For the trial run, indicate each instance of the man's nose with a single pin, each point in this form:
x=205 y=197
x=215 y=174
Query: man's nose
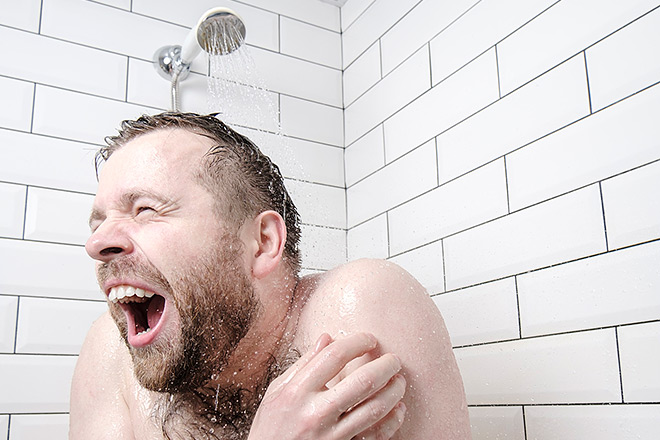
x=109 y=241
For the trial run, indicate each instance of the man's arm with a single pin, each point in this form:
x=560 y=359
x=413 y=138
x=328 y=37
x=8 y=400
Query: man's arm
x=380 y=298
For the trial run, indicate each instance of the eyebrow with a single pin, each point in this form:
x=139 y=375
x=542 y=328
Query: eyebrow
x=128 y=199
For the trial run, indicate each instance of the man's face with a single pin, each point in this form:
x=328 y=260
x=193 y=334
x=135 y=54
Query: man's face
x=173 y=272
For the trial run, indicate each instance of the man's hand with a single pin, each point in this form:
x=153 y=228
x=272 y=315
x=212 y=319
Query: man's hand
x=365 y=405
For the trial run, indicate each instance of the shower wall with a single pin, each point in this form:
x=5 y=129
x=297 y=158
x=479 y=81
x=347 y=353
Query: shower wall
x=71 y=70
x=506 y=152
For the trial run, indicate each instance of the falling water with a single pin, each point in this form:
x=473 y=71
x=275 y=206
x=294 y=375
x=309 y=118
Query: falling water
x=236 y=90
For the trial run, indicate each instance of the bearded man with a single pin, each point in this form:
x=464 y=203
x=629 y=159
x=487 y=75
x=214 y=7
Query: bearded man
x=212 y=334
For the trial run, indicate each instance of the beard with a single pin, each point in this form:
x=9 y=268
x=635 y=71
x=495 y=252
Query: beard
x=216 y=306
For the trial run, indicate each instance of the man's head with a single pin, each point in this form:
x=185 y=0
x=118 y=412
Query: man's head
x=186 y=212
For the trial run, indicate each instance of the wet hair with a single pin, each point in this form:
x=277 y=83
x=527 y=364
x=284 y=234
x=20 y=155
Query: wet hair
x=243 y=180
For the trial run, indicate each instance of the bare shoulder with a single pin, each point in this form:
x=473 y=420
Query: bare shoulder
x=103 y=390
x=380 y=297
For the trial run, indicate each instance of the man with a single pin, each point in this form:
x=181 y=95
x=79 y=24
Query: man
x=196 y=240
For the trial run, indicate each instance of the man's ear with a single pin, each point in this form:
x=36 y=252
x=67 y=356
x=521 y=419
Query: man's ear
x=269 y=233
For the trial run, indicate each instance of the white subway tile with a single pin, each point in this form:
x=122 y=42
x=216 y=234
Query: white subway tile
x=33 y=426
x=625 y=62
x=484 y=313
x=53 y=163
x=96 y=117
x=63 y=271
x=20 y=94
x=309 y=42
x=368 y=240
x=559 y=230
x=4 y=425
x=572 y=368
x=459 y=43
x=464 y=93
x=57 y=216
x=55 y=326
x=602 y=422
x=12 y=200
x=371 y=25
x=565 y=29
x=312 y=121
x=470 y=200
x=319 y=205
x=609 y=289
x=493 y=423
x=300 y=159
x=108 y=28
x=299 y=78
x=85 y=69
x=639 y=348
x=24 y=15
x=393 y=92
x=261 y=26
x=587 y=151
x=317 y=13
x=421 y=24
x=154 y=91
x=322 y=248
x=426 y=265
x=352 y=10
x=123 y=4
x=552 y=101
x=365 y=156
x=362 y=74
x=23 y=377
x=632 y=208
x=8 y=309
x=398 y=182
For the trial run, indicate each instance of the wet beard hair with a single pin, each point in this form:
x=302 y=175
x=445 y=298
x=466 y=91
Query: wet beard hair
x=216 y=304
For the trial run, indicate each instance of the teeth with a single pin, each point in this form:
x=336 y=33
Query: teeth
x=126 y=294
x=145 y=331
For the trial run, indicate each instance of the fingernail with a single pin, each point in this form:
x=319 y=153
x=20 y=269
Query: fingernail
x=322 y=342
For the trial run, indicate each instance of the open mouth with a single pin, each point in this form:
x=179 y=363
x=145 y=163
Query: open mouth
x=143 y=310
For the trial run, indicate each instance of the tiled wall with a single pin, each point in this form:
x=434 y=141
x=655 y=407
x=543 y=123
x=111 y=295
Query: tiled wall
x=70 y=71
x=507 y=153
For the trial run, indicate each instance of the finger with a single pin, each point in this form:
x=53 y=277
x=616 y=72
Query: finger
x=323 y=341
x=387 y=426
x=333 y=358
x=364 y=382
x=375 y=409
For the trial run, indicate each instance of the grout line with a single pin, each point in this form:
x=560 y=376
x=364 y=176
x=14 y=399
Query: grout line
x=8 y=426
x=524 y=417
x=444 y=267
x=506 y=186
x=549 y=335
x=18 y=308
x=602 y=206
x=101 y=298
x=586 y=70
x=34 y=104
x=497 y=65
x=128 y=64
x=515 y=283
x=387 y=231
x=618 y=360
x=437 y=163
x=552 y=404
x=27 y=190
x=41 y=16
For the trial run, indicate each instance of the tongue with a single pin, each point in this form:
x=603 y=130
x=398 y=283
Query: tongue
x=155 y=310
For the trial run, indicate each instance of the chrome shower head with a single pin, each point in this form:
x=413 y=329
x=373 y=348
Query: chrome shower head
x=219 y=31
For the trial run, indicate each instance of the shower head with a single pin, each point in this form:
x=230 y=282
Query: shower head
x=219 y=31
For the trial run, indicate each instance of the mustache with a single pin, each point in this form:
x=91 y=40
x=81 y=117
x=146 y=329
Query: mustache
x=130 y=267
